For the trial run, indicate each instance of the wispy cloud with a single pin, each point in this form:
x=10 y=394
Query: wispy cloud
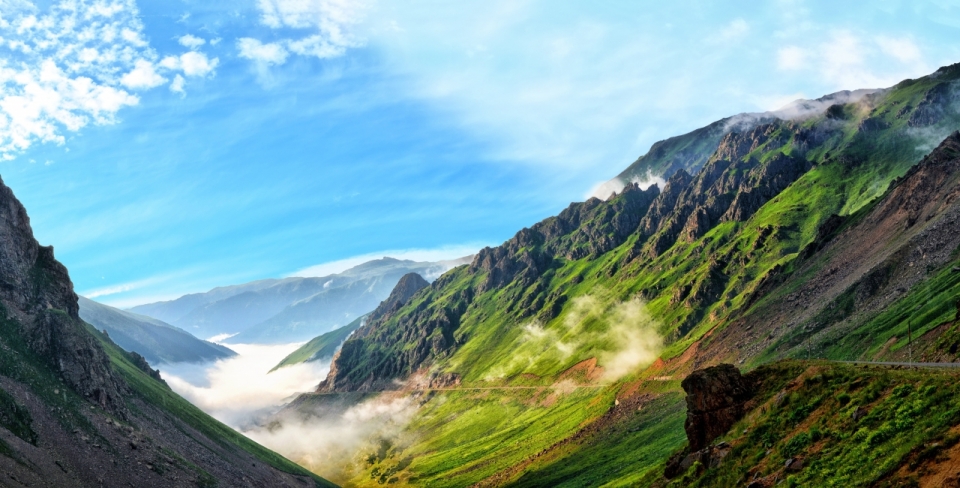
x=848 y=60
x=321 y=29
x=71 y=65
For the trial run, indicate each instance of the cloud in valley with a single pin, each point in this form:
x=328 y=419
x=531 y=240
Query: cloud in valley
x=329 y=444
x=237 y=390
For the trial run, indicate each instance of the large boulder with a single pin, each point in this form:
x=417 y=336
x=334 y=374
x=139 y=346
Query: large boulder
x=715 y=401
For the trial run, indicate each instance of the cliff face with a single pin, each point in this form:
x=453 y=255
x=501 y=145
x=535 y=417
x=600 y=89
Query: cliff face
x=36 y=292
x=76 y=410
x=747 y=197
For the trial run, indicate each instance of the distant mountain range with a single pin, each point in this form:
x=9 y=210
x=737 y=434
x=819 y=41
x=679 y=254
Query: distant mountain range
x=290 y=309
x=325 y=346
x=155 y=340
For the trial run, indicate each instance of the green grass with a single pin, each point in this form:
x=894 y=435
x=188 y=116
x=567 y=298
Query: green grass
x=619 y=457
x=158 y=394
x=908 y=415
x=321 y=347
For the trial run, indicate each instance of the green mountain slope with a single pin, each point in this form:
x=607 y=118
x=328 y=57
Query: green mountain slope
x=155 y=340
x=622 y=297
x=322 y=347
x=829 y=424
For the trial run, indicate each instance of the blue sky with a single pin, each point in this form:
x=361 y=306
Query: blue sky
x=166 y=147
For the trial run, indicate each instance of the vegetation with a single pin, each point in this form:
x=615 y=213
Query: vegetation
x=322 y=347
x=157 y=393
x=851 y=426
x=527 y=315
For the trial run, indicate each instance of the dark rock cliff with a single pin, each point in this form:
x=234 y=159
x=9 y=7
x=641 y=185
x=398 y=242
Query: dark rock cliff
x=716 y=399
x=408 y=286
x=36 y=292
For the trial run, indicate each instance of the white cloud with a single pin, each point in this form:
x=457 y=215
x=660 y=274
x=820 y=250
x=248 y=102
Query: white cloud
x=791 y=58
x=328 y=25
x=847 y=60
x=191 y=63
x=142 y=76
x=176 y=85
x=191 y=41
x=270 y=53
x=71 y=64
x=903 y=49
x=67 y=67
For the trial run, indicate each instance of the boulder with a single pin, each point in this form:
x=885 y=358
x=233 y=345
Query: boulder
x=715 y=401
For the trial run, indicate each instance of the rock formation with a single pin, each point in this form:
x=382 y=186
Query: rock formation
x=715 y=401
x=36 y=293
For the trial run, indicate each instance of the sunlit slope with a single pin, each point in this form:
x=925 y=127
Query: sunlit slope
x=694 y=252
x=322 y=347
x=670 y=273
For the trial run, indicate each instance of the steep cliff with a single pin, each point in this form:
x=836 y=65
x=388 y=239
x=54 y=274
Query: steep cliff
x=76 y=410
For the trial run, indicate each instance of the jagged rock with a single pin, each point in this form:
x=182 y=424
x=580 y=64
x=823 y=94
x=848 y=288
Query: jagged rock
x=37 y=294
x=140 y=362
x=408 y=286
x=736 y=145
x=930 y=110
x=715 y=401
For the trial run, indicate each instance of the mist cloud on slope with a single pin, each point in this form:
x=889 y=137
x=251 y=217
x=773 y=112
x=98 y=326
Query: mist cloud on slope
x=331 y=443
x=604 y=189
x=623 y=335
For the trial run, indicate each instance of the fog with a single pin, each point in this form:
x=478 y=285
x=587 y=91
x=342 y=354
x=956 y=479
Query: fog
x=623 y=336
x=239 y=389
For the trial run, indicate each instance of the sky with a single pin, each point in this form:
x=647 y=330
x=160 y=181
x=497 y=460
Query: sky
x=168 y=147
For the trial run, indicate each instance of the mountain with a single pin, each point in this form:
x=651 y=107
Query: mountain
x=292 y=309
x=323 y=347
x=76 y=410
x=157 y=341
x=826 y=230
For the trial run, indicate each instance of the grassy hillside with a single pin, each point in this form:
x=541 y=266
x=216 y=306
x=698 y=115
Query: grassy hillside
x=849 y=425
x=155 y=393
x=322 y=347
x=652 y=284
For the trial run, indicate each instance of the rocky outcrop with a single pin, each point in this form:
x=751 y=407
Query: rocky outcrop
x=408 y=286
x=716 y=399
x=37 y=294
x=391 y=346
x=931 y=109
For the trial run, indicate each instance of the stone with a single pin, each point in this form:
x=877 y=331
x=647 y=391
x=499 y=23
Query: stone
x=715 y=401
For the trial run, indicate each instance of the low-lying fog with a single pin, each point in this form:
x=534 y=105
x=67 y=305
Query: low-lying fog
x=237 y=390
x=241 y=393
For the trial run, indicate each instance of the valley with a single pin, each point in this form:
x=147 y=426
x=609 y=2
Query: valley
x=772 y=299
